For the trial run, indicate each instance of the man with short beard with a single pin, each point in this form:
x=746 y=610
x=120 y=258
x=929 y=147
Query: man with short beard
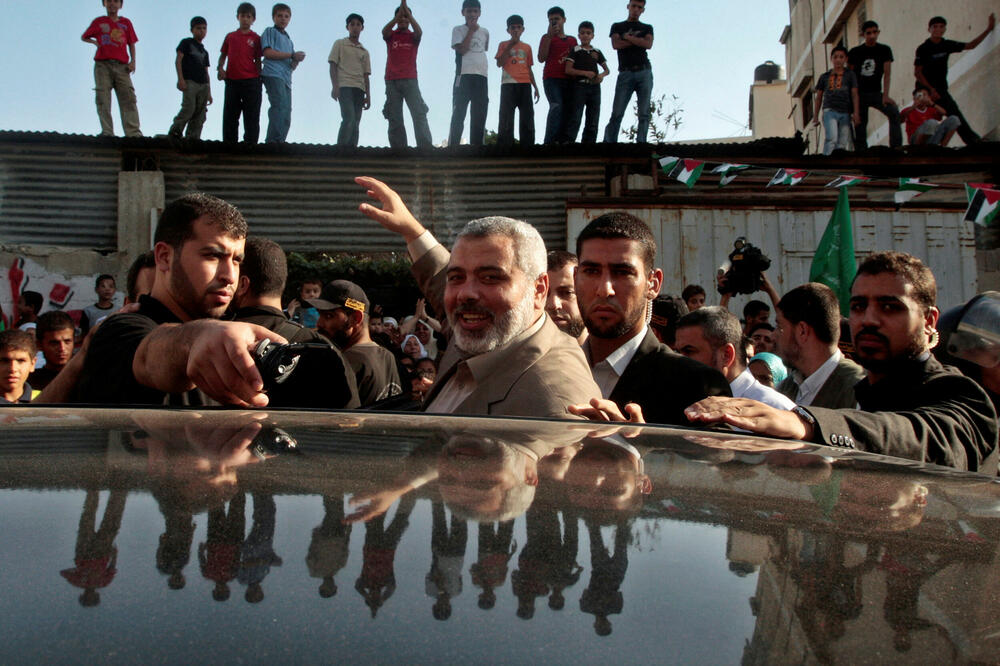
x=911 y=406
x=343 y=317
x=506 y=357
x=561 y=303
x=615 y=284
x=174 y=342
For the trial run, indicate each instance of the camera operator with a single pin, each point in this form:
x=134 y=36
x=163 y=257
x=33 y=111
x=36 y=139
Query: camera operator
x=744 y=273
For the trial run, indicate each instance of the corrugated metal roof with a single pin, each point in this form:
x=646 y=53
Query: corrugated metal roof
x=311 y=202
x=59 y=195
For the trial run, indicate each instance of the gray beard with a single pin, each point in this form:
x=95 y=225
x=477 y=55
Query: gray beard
x=505 y=328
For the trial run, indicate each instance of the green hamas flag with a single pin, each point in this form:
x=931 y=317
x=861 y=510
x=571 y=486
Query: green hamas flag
x=833 y=264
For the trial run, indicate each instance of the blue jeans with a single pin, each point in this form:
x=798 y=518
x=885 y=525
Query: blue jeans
x=837 y=130
x=470 y=90
x=559 y=94
x=279 y=116
x=516 y=96
x=398 y=91
x=585 y=96
x=352 y=101
x=641 y=83
x=935 y=129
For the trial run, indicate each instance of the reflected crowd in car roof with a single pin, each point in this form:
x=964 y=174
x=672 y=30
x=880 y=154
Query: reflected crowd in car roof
x=837 y=555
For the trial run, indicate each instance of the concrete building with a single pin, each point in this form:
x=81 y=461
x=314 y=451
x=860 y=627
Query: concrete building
x=816 y=26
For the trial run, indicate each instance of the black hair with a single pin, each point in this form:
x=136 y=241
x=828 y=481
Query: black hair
x=920 y=87
x=869 y=24
x=691 y=291
x=101 y=278
x=619 y=224
x=264 y=264
x=352 y=17
x=33 y=300
x=53 y=320
x=246 y=8
x=19 y=341
x=839 y=47
x=514 y=19
x=471 y=4
x=937 y=19
x=556 y=10
x=280 y=7
x=585 y=25
x=557 y=259
x=176 y=224
x=755 y=307
x=198 y=20
x=909 y=268
x=815 y=304
x=144 y=260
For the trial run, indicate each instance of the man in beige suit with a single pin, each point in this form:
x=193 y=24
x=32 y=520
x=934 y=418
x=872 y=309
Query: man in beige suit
x=506 y=357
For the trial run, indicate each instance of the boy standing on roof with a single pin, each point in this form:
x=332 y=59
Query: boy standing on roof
x=470 y=42
x=871 y=62
x=517 y=82
x=632 y=39
x=242 y=76
x=114 y=63
x=192 y=80
x=350 y=69
x=401 y=79
x=280 y=59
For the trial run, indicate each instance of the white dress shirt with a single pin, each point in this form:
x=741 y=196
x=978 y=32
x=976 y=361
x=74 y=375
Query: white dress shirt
x=609 y=371
x=810 y=386
x=746 y=386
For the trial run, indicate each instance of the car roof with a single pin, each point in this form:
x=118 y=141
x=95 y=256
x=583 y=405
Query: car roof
x=181 y=535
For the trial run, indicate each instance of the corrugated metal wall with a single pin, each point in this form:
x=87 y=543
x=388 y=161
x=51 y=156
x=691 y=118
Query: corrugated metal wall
x=692 y=243
x=311 y=202
x=59 y=195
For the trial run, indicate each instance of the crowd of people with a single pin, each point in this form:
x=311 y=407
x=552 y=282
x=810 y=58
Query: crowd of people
x=522 y=332
x=250 y=63
x=860 y=79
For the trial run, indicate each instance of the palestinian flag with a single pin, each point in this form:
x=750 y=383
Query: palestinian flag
x=728 y=172
x=984 y=204
x=847 y=181
x=788 y=177
x=909 y=188
x=668 y=164
x=687 y=171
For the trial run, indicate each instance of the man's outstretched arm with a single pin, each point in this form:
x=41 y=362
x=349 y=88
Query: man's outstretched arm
x=214 y=356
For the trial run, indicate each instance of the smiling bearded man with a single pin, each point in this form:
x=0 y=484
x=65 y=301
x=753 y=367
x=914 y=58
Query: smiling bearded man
x=507 y=357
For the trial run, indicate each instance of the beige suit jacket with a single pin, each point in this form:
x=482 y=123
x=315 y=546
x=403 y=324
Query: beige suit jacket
x=538 y=376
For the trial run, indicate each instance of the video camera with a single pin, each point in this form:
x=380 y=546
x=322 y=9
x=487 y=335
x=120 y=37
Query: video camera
x=743 y=271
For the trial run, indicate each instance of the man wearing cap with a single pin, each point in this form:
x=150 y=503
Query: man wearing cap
x=506 y=357
x=343 y=317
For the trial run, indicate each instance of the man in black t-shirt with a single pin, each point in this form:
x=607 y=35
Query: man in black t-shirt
x=175 y=343
x=192 y=64
x=632 y=40
x=343 y=317
x=931 y=68
x=872 y=64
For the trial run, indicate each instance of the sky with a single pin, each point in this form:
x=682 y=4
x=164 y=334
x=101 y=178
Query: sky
x=704 y=53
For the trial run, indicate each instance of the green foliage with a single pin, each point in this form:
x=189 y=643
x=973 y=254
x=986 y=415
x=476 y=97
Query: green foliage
x=385 y=277
x=665 y=118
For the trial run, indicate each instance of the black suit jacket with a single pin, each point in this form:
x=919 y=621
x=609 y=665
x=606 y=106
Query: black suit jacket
x=927 y=412
x=664 y=383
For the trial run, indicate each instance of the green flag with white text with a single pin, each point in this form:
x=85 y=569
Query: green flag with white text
x=834 y=264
